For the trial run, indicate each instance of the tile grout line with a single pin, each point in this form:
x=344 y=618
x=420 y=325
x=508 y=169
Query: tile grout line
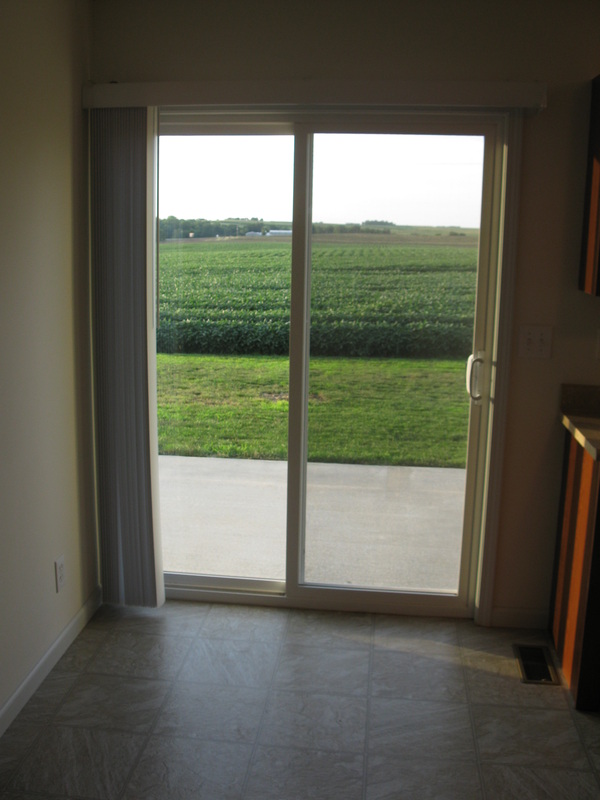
x=464 y=667
x=574 y=715
x=577 y=723
x=269 y=688
x=365 y=777
x=12 y=774
x=158 y=712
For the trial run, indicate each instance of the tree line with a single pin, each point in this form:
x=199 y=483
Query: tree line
x=174 y=228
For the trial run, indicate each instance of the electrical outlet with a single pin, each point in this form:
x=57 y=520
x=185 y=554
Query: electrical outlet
x=535 y=341
x=59 y=573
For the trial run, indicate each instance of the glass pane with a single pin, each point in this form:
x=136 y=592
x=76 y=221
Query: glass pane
x=394 y=269
x=224 y=305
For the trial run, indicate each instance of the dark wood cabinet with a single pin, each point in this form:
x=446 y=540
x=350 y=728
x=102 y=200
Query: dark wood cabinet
x=589 y=274
x=576 y=606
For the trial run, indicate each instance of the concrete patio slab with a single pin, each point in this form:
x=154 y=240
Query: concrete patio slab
x=369 y=526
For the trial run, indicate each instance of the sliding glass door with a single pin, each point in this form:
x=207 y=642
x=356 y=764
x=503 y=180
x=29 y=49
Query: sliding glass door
x=321 y=448
x=393 y=285
x=222 y=361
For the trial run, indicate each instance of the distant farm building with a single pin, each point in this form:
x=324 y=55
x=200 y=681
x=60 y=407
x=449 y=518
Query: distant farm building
x=279 y=233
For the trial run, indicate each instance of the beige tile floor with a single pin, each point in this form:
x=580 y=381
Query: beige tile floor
x=368 y=526
x=221 y=702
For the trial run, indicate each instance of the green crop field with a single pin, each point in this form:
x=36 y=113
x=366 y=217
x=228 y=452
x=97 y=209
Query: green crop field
x=371 y=296
x=391 y=327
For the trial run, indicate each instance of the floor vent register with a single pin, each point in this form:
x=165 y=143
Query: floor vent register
x=535 y=664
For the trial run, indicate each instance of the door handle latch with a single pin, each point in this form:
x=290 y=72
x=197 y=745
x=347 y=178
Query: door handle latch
x=472 y=378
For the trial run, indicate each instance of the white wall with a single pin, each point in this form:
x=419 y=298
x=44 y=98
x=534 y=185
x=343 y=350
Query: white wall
x=46 y=500
x=551 y=41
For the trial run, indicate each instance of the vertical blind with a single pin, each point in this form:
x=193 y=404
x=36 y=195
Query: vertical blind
x=118 y=154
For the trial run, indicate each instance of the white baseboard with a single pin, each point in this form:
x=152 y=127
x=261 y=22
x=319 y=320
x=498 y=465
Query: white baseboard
x=12 y=707
x=532 y=618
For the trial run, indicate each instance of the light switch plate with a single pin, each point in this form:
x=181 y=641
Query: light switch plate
x=535 y=341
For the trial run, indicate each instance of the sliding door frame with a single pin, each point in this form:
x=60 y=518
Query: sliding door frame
x=486 y=424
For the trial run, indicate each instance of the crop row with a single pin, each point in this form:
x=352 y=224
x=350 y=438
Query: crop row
x=378 y=300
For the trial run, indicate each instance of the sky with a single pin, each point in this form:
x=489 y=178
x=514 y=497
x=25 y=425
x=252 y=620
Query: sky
x=399 y=178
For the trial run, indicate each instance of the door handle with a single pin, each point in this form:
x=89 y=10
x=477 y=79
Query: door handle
x=474 y=358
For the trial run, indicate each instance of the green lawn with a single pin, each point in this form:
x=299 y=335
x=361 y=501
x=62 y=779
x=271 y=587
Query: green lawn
x=370 y=411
